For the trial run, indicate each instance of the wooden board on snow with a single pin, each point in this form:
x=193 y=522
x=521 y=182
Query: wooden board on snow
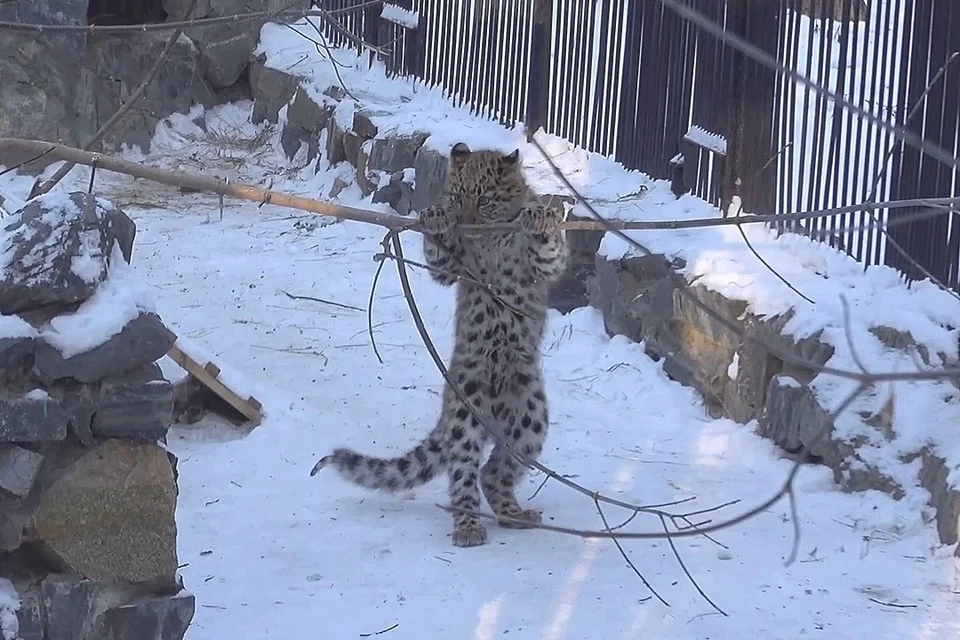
x=208 y=376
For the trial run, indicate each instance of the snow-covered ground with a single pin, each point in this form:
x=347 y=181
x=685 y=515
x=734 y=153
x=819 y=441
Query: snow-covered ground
x=273 y=553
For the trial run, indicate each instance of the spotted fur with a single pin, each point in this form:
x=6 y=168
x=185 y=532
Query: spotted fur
x=503 y=279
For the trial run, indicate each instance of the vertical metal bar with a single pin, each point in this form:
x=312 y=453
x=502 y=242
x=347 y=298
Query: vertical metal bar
x=913 y=71
x=793 y=198
x=600 y=98
x=588 y=111
x=935 y=176
x=626 y=125
x=870 y=69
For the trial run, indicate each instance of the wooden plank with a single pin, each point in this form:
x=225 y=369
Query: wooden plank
x=250 y=408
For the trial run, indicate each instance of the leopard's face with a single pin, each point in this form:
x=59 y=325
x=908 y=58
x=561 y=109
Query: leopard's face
x=485 y=186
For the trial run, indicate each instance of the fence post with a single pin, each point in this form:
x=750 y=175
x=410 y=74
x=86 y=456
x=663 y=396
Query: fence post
x=750 y=153
x=538 y=85
x=410 y=63
x=414 y=44
x=371 y=30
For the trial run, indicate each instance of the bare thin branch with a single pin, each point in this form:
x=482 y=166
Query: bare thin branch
x=322 y=300
x=683 y=566
x=626 y=557
x=41 y=188
x=746 y=241
x=699 y=223
x=385 y=244
x=394 y=221
x=238 y=18
x=757 y=54
x=474 y=412
x=883 y=170
x=784 y=354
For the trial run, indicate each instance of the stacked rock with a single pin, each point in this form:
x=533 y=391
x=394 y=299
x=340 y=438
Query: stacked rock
x=87 y=493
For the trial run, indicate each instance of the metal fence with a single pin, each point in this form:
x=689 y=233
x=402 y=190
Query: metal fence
x=629 y=78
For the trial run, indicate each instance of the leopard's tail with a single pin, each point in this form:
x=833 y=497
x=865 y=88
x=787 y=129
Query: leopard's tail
x=414 y=468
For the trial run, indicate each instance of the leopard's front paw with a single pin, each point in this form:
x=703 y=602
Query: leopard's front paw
x=541 y=219
x=437 y=220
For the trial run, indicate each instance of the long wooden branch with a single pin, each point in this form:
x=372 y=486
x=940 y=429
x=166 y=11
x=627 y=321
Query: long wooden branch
x=394 y=221
x=203 y=183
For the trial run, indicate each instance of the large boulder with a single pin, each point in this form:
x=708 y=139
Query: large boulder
x=68 y=607
x=143 y=340
x=17 y=342
x=572 y=289
x=306 y=118
x=150 y=619
x=119 y=62
x=18 y=469
x=271 y=90
x=225 y=49
x=395 y=153
x=223 y=62
x=57 y=250
x=109 y=515
x=398 y=192
x=431 y=171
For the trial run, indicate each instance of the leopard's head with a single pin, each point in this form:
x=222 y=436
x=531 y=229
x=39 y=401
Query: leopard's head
x=486 y=186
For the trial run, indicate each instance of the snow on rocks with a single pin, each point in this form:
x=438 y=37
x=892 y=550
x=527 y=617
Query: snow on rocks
x=57 y=250
x=84 y=482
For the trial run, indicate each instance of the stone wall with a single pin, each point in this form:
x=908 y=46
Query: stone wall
x=640 y=297
x=62 y=87
x=87 y=495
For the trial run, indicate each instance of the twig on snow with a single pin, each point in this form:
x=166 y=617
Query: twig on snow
x=321 y=300
x=381 y=632
x=893 y=604
x=626 y=557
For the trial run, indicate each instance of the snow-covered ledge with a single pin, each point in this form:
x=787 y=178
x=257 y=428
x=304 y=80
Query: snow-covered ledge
x=898 y=438
x=895 y=438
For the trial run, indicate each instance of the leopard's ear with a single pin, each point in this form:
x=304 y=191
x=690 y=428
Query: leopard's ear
x=510 y=159
x=459 y=150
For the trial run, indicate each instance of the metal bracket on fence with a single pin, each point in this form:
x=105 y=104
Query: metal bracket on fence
x=700 y=138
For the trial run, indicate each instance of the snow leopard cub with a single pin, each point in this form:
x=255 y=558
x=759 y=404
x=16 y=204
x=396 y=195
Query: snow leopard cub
x=503 y=279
